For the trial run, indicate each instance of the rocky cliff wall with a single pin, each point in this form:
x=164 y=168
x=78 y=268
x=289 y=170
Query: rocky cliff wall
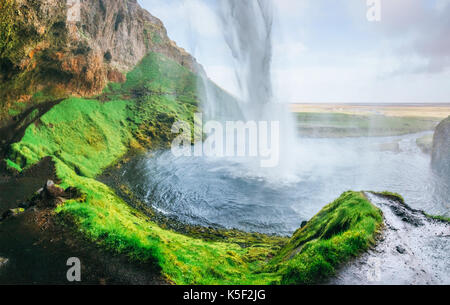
x=56 y=48
x=441 y=148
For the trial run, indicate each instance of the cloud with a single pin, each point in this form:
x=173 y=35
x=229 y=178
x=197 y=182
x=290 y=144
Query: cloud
x=423 y=29
x=327 y=51
x=288 y=53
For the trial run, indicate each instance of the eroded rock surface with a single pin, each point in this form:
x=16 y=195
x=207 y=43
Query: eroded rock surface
x=441 y=148
x=45 y=49
x=413 y=249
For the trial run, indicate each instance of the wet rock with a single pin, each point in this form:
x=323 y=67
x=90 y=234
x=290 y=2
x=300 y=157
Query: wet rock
x=72 y=193
x=400 y=249
x=50 y=189
x=440 y=160
x=51 y=195
x=304 y=223
x=3 y=261
x=392 y=147
x=406 y=215
x=425 y=144
x=11 y=213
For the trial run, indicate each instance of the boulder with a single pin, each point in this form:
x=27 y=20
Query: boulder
x=440 y=159
x=3 y=261
x=400 y=249
x=51 y=195
x=11 y=213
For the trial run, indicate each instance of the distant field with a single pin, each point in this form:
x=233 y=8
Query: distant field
x=440 y=111
x=326 y=120
x=348 y=125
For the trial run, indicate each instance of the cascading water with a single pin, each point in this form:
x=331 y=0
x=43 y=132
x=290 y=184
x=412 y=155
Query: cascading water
x=247 y=29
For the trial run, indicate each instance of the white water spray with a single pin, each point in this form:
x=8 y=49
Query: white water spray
x=247 y=28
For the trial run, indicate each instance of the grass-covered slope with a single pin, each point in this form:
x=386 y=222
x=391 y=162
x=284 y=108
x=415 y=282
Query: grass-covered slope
x=341 y=230
x=89 y=135
x=85 y=136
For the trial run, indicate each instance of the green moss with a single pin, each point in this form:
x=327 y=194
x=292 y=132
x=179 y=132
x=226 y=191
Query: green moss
x=157 y=74
x=10 y=165
x=393 y=196
x=438 y=217
x=342 y=230
x=106 y=219
x=85 y=134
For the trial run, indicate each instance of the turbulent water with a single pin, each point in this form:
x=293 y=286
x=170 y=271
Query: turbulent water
x=413 y=250
x=221 y=192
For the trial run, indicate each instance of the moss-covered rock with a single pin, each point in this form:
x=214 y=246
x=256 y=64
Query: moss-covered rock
x=441 y=148
x=340 y=231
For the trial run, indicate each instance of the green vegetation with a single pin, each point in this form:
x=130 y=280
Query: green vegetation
x=106 y=219
x=438 y=217
x=85 y=136
x=342 y=230
x=393 y=196
x=12 y=166
x=347 y=125
x=90 y=135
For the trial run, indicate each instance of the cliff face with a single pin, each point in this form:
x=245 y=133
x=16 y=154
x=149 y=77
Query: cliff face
x=56 y=48
x=441 y=148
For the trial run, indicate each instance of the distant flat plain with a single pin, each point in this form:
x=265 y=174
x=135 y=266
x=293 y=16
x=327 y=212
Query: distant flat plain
x=394 y=110
x=356 y=120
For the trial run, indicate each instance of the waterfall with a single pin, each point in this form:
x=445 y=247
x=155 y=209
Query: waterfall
x=247 y=28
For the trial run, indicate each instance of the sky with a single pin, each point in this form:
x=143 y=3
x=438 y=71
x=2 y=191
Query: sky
x=327 y=51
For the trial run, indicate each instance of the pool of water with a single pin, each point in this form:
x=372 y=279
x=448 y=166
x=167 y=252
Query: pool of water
x=233 y=193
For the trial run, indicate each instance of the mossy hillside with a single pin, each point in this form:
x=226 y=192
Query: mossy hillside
x=90 y=135
x=157 y=74
x=340 y=231
x=107 y=220
x=85 y=134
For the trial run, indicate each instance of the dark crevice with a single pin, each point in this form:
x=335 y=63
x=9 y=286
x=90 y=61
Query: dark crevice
x=15 y=130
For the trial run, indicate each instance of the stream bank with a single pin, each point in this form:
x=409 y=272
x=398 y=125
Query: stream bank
x=414 y=249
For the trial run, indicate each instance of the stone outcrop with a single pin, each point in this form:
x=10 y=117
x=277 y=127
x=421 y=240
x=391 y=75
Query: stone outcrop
x=3 y=261
x=72 y=47
x=441 y=148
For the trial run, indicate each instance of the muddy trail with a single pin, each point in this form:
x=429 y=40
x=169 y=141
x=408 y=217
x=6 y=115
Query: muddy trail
x=35 y=247
x=412 y=250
